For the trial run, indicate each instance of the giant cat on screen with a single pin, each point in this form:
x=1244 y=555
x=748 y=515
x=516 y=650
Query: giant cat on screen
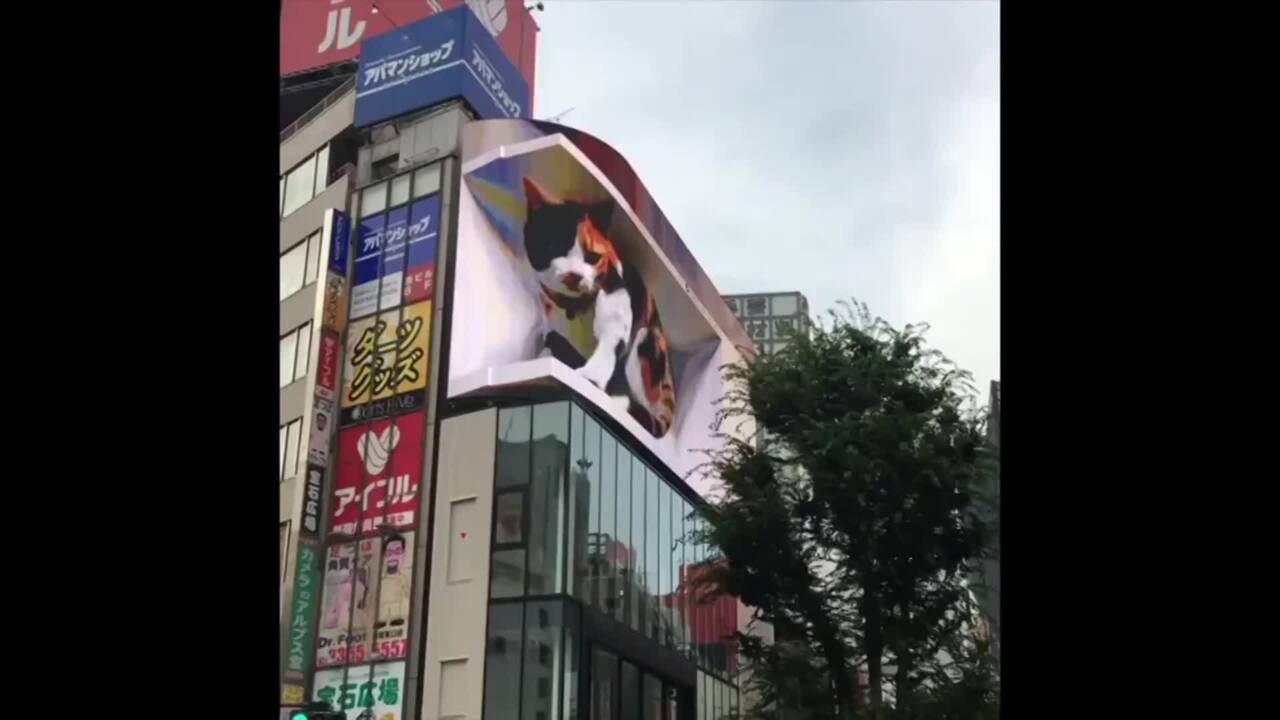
x=600 y=317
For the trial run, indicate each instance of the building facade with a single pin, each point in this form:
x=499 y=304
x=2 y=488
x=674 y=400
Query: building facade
x=473 y=523
x=770 y=318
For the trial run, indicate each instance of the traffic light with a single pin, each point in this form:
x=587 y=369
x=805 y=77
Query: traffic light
x=315 y=711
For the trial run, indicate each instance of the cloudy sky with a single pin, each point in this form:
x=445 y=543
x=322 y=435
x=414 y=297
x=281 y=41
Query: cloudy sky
x=842 y=149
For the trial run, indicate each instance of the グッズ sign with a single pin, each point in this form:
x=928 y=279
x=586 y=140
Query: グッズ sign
x=302 y=614
x=379 y=474
x=385 y=370
x=347 y=611
x=441 y=57
x=370 y=691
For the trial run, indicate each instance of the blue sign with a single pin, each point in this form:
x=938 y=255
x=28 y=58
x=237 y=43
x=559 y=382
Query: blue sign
x=396 y=257
x=339 y=241
x=443 y=56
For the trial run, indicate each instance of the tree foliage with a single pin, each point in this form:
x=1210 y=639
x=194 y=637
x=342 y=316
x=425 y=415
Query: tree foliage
x=853 y=526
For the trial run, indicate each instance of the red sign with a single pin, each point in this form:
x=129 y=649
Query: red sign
x=379 y=473
x=320 y=32
x=327 y=366
x=419 y=283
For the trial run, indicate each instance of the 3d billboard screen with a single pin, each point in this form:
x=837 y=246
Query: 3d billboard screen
x=566 y=269
x=444 y=56
x=314 y=33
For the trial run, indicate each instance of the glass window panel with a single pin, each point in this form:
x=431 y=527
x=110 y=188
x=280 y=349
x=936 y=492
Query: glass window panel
x=502 y=662
x=757 y=306
x=515 y=426
x=627 y=543
x=543 y=658
x=570 y=702
x=284 y=433
x=578 y=494
x=671 y=602
x=508 y=574
x=288 y=354
x=426 y=180
x=322 y=169
x=665 y=501
x=604 y=685
x=293 y=270
x=630 y=692
x=373 y=200
x=300 y=185
x=313 y=258
x=592 y=561
x=550 y=458
x=280 y=209
x=704 y=629
x=304 y=352
x=608 y=506
x=292 y=449
x=786 y=305
x=652 y=704
x=508 y=527
x=400 y=189
x=653 y=540
x=637 y=616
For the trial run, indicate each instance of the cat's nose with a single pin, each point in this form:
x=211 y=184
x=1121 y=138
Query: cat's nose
x=571 y=280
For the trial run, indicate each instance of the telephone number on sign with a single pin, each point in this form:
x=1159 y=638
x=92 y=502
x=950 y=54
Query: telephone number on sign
x=392 y=648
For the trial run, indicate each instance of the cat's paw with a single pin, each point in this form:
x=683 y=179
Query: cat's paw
x=621 y=404
x=598 y=371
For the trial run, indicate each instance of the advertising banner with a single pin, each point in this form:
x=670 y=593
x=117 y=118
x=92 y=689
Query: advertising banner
x=391 y=629
x=348 y=607
x=446 y=55
x=379 y=474
x=322 y=418
x=327 y=365
x=385 y=368
x=335 y=303
x=424 y=239
x=302 y=611
x=338 y=226
x=313 y=493
x=367 y=692
x=567 y=269
x=314 y=33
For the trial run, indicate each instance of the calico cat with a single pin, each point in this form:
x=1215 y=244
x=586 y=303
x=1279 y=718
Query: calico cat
x=600 y=318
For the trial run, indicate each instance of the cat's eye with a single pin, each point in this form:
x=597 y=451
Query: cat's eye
x=591 y=257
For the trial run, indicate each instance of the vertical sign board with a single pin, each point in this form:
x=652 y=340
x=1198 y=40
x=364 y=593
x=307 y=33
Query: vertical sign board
x=302 y=612
x=443 y=56
x=338 y=225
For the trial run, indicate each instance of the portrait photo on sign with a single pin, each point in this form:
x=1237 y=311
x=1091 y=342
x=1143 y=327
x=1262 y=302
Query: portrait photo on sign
x=550 y=264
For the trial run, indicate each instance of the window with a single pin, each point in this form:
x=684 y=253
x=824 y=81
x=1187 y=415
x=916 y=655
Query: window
x=640 y=562
x=502 y=662
x=542 y=654
x=628 y=543
x=280 y=207
x=426 y=180
x=400 y=189
x=653 y=542
x=757 y=305
x=550 y=457
x=786 y=305
x=604 y=542
x=322 y=169
x=733 y=305
x=290 y=448
x=299 y=186
x=295 y=353
x=300 y=265
x=373 y=200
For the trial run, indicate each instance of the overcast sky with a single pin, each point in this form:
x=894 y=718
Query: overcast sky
x=842 y=149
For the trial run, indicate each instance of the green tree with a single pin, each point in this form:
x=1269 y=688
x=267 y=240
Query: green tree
x=853 y=526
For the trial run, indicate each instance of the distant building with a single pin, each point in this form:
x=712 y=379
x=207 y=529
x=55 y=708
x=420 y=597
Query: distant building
x=989 y=587
x=770 y=318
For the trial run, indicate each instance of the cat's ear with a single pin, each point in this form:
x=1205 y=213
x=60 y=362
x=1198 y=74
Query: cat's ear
x=534 y=195
x=601 y=213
